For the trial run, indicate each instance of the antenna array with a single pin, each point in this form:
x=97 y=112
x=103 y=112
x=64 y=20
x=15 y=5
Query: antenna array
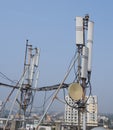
x=84 y=29
x=24 y=96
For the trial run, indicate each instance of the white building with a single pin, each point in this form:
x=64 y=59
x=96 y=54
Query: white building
x=71 y=114
x=92 y=106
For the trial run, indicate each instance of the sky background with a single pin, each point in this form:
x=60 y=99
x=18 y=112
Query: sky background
x=50 y=26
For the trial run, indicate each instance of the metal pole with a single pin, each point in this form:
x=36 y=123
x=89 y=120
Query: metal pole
x=84 y=105
x=85 y=25
x=79 y=71
x=84 y=120
x=78 y=119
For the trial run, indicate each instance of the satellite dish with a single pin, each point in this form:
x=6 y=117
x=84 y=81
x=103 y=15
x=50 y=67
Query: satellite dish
x=75 y=91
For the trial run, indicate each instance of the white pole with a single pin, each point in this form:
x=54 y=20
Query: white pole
x=84 y=120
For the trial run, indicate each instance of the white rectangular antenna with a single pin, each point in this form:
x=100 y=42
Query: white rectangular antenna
x=29 y=54
x=84 y=62
x=90 y=43
x=36 y=62
x=79 y=31
x=31 y=70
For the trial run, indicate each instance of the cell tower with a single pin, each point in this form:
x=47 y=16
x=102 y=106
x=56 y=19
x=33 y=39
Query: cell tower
x=84 y=42
x=28 y=81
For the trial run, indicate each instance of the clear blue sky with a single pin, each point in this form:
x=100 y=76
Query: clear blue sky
x=50 y=26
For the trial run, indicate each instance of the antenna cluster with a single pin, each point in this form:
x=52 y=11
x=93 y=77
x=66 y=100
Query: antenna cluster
x=84 y=43
x=28 y=81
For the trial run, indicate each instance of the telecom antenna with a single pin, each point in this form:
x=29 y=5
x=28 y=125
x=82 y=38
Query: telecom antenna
x=25 y=93
x=77 y=90
x=90 y=45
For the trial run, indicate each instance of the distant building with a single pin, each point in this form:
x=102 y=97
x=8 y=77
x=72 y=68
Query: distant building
x=71 y=114
x=92 y=111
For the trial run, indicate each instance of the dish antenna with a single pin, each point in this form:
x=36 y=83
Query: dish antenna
x=75 y=91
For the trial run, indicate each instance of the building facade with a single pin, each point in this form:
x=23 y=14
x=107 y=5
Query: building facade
x=92 y=111
x=71 y=114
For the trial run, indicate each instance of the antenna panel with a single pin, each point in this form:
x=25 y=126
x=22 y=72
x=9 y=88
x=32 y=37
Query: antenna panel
x=79 y=31
x=36 y=58
x=29 y=54
x=90 y=43
x=84 y=62
x=75 y=91
x=31 y=69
